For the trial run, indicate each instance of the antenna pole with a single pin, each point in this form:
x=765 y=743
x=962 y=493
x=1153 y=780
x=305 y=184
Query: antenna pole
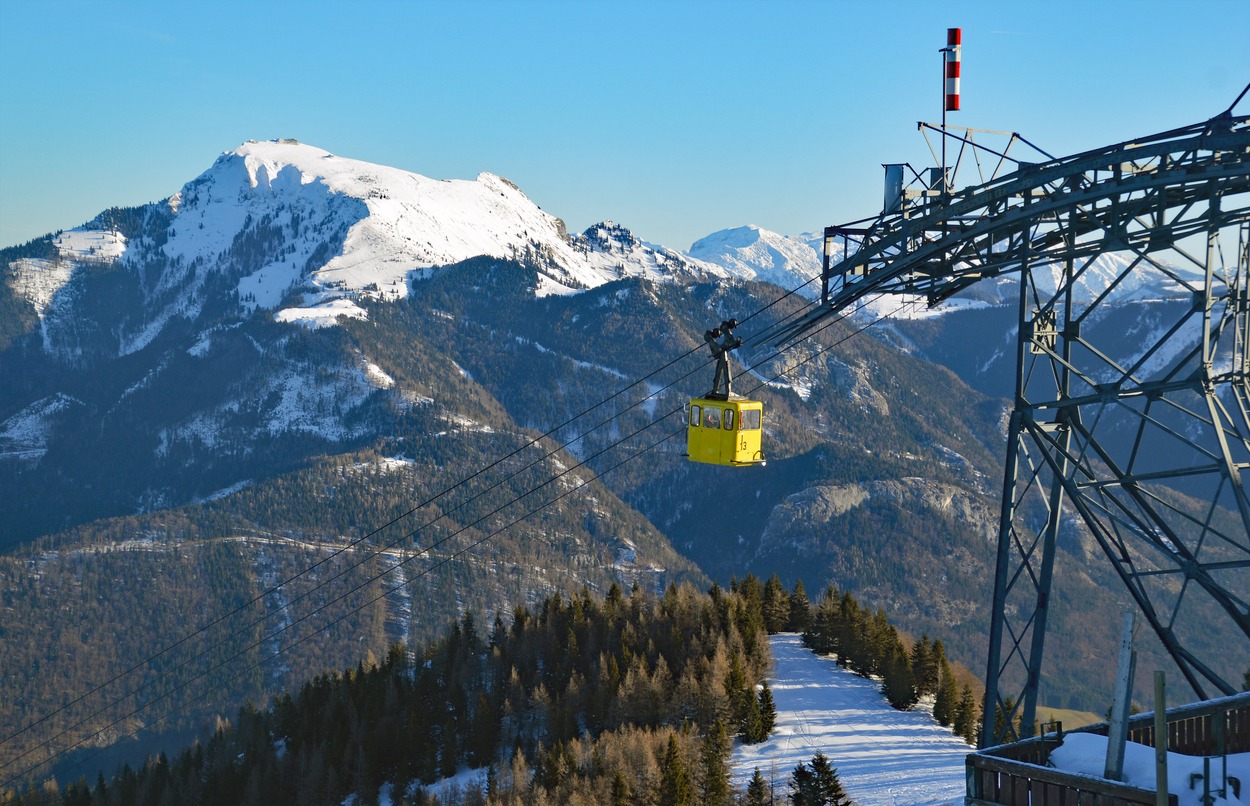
x=951 y=64
x=945 y=56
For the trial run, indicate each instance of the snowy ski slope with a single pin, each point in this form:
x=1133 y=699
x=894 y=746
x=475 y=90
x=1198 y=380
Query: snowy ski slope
x=884 y=757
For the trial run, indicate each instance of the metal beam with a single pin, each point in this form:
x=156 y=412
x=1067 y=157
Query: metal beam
x=1152 y=452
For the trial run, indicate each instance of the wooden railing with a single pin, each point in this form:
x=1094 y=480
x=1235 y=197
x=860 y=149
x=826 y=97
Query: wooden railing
x=1000 y=781
x=1017 y=774
x=1192 y=730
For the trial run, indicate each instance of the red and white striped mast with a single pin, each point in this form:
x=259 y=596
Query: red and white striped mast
x=951 y=55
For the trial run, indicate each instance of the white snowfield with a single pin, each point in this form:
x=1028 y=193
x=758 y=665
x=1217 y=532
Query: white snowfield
x=883 y=757
x=1086 y=754
x=87 y=244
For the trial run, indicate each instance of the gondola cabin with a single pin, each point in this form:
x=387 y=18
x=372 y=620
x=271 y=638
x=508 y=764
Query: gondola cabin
x=725 y=432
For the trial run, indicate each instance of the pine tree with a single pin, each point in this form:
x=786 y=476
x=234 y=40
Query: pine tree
x=550 y=768
x=880 y=640
x=675 y=787
x=757 y=791
x=899 y=684
x=800 y=609
x=622 y=795
x=850 y=634
x=802 y=786
x=947 y=694
x=827 y=789
x=965 y=724
x=1001 y=711
x=736 y=691
x=768 y=710
x=449 y=749
x=939 y=661
x=821 y=635
x=753 y=722
x=483 y=732
x=776 y=605
x=749 y=614
x=714 y=787
x=615 y=598
x=924 y=666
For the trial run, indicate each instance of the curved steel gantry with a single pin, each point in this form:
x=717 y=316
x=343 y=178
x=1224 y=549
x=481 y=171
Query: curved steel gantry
x=1149 y=449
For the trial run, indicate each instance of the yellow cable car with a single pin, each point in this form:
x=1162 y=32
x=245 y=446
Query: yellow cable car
x=723 y=428
x=725 y=432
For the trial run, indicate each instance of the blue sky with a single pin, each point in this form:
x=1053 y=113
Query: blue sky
x=673 y=118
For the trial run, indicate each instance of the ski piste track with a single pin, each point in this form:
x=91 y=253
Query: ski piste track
x=883 y=756
x=1143 y=437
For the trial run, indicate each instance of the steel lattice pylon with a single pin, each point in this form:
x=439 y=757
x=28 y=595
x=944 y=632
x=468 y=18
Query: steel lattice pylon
x=1147 y=442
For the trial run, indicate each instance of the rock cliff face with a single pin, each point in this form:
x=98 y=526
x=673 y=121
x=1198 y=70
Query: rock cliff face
x=797 y=522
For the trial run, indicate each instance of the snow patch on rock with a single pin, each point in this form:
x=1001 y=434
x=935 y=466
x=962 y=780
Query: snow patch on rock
x=24 y=435
x=323 y=314
x=37 y=280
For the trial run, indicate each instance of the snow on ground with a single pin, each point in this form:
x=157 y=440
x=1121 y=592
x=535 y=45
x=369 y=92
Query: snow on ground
x=323 y=315
x=377 y=376
x=448 y=790
x=24 y=435
x=225 y=492
x=1086 y=754
x=90 y=244
x=289 y=400
x=315 y=405
x=911 y=307
x=388 y=464
x=277 y=601
x=614 y=251
x=884 y=757
x=37 y=281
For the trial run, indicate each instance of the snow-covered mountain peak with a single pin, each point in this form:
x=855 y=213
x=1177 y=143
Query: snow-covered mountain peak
x=608 y=236
x=738 y=237
x=614 y=251
x=756 y=253
x=291 y=228
x=264 y=161
x=401 y=225
x=794 y=262
x=338 y=229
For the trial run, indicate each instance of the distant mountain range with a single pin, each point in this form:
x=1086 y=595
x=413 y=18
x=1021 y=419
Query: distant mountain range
x=289 y=227
x=300 y=355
